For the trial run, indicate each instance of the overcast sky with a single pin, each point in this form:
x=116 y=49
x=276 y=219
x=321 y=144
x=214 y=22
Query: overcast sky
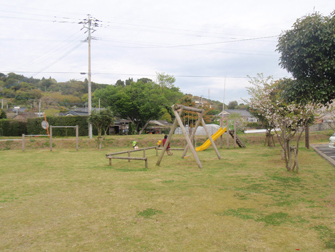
x=206 y=45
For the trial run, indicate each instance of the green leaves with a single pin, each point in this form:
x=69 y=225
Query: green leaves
x=308 y=52
x=140 y=101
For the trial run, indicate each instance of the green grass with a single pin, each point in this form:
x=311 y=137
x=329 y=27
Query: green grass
x=66 y=200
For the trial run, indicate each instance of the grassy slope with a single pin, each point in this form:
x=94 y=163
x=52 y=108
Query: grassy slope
x=73 y=201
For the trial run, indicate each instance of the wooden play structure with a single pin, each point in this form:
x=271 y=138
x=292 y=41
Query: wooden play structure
x=111 y=156
x=178 y=110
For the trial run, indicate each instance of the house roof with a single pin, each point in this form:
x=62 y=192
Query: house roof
x=79 y=112
x=19 y=109
x=241 y=112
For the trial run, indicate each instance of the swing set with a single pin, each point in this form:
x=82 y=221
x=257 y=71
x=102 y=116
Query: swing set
x=178 y=110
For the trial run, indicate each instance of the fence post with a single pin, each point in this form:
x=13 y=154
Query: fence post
x=235 y=134
x=77 y=137
x=50 y=137
x=23 y=142
x=227 y=133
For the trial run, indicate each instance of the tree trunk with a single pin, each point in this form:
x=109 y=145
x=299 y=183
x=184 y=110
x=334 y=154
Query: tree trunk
x=146 y=124
x=287 y=155
x=99 y=139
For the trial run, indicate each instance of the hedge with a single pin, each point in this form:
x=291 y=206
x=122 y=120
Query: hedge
x=34 y=126
x=12 y=127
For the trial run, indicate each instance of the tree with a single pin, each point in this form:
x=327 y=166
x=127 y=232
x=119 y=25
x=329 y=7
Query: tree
x=256 y=91
x=290 y=118
x=119 y=83
x=165 y=80
x=145 y=80
x=139 y=102
x=102 y=120
x=327 y=114
x=308 y=53
x=232 y=105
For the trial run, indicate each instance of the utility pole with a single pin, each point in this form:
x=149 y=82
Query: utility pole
x=89 y=24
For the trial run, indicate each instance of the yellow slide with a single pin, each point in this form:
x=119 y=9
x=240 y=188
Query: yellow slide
x=214 y=137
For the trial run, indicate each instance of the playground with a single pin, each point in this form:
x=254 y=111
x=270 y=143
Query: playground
x=69 y=200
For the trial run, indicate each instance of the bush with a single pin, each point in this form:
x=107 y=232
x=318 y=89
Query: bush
x=12 y=127
x=34 y=125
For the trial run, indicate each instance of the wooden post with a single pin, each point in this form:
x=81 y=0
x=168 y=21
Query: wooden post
x=227 y=133
x=50 y=137
x=192 y=136
x=146 y=163
x=174 y=126
x=188 y=139
x=77 y=137
x=235 y=134
x=210 y=138
x=128 y=156
x=110 y=162
x=221 y=138
x=23 y=142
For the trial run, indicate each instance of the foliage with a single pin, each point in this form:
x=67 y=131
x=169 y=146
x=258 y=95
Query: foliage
x=308 y=52
x=212 y=112
x=131 y=129
x=188 y=118
x=165 y=80
x=34 y=125
x=256 y=91
x=232 y=105
x=138 y=101
x=12 y=127
x=2 y=114
x=51 y=112
x=22 y=89
x=327 y=114
x=240 y=121
x=102 y=120
x=290 y=118
x=166 y=115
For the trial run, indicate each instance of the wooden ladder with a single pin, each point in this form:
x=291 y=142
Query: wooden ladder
x=238 y=140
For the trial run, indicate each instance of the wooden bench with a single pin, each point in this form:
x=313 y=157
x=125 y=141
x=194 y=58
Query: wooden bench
x=113 y=155
x=128 y=158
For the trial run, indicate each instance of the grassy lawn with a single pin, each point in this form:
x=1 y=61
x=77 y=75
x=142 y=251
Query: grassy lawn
x=66 y=200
